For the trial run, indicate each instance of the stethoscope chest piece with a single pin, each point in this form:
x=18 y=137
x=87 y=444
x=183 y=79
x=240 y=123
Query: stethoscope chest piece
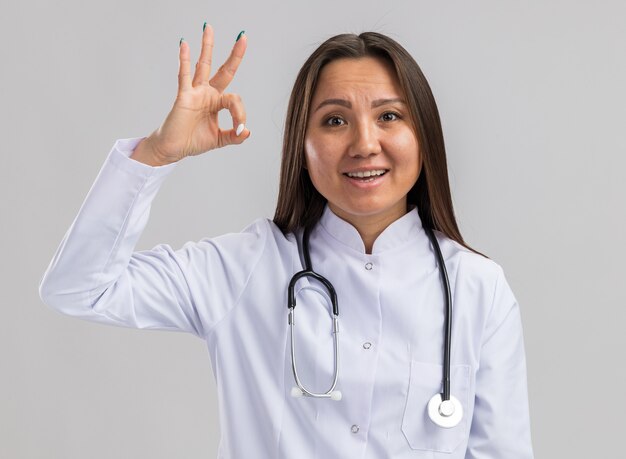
x=445 y=413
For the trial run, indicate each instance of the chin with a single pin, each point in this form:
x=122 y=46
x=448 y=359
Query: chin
x=366 y=210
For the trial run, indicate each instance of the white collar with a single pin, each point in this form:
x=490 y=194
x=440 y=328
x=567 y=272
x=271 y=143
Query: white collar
x=404 y=229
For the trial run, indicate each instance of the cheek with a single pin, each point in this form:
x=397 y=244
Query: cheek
x=313 y=162
x=406 y=151
x=316 y=156
x=310 y=150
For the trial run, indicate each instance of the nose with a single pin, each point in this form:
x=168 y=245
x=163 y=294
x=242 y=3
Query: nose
x=365 y=140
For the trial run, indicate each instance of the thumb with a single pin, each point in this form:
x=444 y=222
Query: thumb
x=234 y=136
x=239 y=133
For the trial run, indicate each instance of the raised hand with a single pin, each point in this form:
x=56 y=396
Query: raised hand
x=192 y=127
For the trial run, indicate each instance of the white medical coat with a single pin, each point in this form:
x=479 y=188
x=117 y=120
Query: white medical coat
x=231 y=291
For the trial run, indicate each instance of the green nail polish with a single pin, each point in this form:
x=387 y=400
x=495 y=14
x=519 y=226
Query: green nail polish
x=181 y=42
x=204 y=26
x=240 y=34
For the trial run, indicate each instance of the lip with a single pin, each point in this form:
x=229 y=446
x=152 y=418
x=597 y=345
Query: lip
x=365 y=169
x=366 y=185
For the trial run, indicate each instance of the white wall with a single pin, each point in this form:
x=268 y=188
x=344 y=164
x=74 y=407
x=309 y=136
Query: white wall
x=532 y=99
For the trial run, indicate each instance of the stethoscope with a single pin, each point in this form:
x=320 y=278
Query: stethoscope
x=444 y=409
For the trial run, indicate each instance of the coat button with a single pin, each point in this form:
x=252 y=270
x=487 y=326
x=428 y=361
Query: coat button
x=367 y=345
x=354 y=429
x=369 y=266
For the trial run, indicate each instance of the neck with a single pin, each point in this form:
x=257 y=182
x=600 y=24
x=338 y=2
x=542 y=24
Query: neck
x=370 y=227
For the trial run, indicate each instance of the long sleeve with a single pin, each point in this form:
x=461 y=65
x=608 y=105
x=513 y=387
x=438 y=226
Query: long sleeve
x=501 y=422
x=95 y=275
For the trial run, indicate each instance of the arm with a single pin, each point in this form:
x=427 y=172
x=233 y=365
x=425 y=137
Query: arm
x=95 y=274
x=501 y=423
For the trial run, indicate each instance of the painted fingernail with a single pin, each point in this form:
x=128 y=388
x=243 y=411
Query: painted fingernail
x=239 y=129
x=181 y=42
x=204 y=26
x=240 y=34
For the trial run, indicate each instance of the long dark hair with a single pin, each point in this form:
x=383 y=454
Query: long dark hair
x=299 y=203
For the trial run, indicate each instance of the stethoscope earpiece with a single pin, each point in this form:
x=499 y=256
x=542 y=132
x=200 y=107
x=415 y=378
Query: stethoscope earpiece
x=336 y=395
x=445 y=413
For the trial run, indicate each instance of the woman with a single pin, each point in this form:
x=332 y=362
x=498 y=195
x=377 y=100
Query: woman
x=364 y=171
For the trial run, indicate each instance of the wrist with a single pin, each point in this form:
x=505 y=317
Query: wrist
x=146 y=154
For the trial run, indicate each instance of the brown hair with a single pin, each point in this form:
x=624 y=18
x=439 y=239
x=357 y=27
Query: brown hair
x=299 y=203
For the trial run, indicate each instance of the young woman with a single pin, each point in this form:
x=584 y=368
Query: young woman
x=364 y=202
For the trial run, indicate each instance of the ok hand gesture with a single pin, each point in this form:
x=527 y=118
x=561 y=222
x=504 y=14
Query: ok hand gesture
x=192 y=127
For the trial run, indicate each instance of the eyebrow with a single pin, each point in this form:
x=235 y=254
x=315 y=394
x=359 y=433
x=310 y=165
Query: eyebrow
x=347 y=104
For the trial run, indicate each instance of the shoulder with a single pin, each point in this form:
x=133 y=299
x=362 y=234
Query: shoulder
x=259 y=236
x=469 y=263
x=265 y=228
x=478 y=277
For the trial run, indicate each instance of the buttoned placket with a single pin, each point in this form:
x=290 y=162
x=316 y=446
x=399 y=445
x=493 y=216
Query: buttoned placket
x=359 y=279
x=367 y=353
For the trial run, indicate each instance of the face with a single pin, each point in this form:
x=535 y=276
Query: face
x=361 y=150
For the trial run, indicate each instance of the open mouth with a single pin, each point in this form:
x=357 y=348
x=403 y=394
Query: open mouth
x=366 y=176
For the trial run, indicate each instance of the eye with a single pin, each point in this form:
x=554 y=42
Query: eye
x=390 y=116
x=334 y=121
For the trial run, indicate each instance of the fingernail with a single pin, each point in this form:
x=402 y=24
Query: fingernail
x=240 y=34
x=204 y=26
x=181 y=42
x=239 y=129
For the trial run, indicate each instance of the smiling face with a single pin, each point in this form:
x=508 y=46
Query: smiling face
x=361 y=150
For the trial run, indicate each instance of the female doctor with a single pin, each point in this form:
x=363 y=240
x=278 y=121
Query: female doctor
x=363 y=181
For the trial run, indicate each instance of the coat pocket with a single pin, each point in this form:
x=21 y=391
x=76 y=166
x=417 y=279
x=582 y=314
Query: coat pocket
x=417 y=427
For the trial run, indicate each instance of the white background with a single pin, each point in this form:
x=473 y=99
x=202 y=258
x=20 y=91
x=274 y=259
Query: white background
x=532 y=100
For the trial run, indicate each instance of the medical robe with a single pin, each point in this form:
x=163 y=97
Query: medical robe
x=231 y=291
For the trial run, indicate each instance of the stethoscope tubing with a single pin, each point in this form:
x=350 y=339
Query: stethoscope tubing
x=308 y=272
x=291 y=302
x=448 y=314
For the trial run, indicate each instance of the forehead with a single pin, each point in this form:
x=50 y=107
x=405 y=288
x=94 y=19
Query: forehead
x=364 y=76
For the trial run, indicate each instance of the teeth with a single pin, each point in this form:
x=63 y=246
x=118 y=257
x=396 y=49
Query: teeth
x=366 y=173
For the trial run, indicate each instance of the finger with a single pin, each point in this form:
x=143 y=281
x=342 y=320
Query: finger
x=230 y=137
x=203 y=67
x=184 y=70
x=239 y=132
x=226 y=72
x=234 y=104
